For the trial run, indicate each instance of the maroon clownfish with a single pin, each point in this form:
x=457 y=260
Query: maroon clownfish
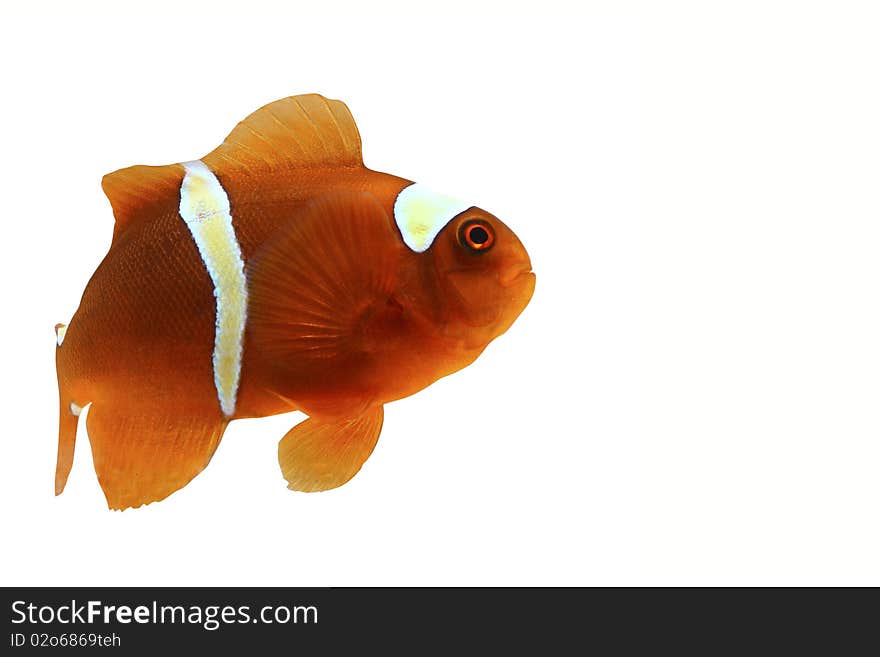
x=275 y=274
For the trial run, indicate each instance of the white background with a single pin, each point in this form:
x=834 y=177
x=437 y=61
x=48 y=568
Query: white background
x=691 y=396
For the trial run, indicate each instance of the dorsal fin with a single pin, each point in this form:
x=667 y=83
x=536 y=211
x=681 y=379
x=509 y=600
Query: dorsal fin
x=135 y=192
x=295 y=132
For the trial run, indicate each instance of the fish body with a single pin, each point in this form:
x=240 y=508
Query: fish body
x=277 y=273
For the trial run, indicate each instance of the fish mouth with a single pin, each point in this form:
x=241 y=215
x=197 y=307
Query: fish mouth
x=519 y=286
x=514 y=274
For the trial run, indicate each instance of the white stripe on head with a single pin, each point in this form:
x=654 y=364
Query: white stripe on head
x=204 y=206
x=421 y=214
x=60 y=332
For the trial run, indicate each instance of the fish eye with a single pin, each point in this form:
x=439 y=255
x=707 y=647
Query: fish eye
x=477 y=235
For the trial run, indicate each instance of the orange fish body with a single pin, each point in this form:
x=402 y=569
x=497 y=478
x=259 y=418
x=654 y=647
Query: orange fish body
x=277 y=273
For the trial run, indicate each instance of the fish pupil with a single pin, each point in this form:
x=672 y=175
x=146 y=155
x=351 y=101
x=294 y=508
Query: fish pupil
x=478 y=235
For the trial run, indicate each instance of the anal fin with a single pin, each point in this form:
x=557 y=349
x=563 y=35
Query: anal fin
x=319 y=455
x=144 y=455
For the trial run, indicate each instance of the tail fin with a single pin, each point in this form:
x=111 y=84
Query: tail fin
x=67 y=419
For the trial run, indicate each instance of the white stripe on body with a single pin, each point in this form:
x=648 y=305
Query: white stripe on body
x=204 y=207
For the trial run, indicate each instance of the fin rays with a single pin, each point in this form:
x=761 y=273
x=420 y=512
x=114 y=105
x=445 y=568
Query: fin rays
x=144 y=455
x=306 y=131
x=312 y=123
x=308 y=302
x=294 y=132
x=319 y=455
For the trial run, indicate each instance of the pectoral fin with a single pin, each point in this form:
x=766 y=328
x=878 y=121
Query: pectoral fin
x=319 y=455
x=321 y=275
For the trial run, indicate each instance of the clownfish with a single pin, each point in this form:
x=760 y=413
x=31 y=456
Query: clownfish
x=277 y=273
